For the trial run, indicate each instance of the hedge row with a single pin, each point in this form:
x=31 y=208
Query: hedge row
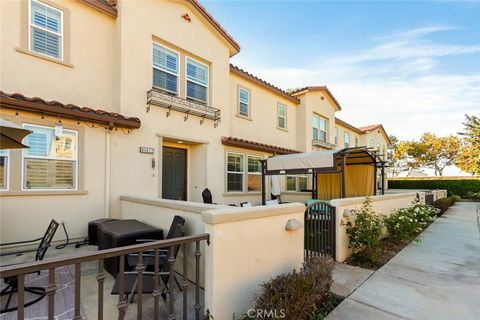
x=459 y=187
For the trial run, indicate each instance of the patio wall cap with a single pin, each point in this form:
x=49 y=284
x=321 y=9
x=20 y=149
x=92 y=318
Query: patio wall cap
x=360 y=200
x=233 y=214
x=191 y=206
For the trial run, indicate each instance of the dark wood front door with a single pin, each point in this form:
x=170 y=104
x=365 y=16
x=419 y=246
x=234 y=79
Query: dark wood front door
x=174 y=176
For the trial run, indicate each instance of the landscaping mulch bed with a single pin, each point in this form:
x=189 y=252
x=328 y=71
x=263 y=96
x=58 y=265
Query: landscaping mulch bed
x=389 y=250
x=330 y=302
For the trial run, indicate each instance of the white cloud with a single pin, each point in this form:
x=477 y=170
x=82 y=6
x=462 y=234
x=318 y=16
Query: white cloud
x=396 y=82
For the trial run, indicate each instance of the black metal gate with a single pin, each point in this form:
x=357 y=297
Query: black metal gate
x=320 y=230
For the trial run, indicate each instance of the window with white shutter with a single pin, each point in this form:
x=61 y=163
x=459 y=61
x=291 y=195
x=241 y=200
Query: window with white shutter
x=51 y=161
x=165 y=68
x=46 y=30
x=197 y=80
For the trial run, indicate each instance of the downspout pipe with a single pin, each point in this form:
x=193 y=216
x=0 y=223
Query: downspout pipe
x=107 y=174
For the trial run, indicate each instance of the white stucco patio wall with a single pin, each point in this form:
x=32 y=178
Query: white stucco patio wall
x=248 y=246
x=384 y=205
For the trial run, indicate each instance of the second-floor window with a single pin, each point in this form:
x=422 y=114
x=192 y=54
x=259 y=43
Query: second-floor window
x=197 y=81
x=356 y=141
x=244 y=102
x=346 y=139
x=281 y=116
x=165 y=68
x=319 y=128
x=336 y=136
x=45 y=30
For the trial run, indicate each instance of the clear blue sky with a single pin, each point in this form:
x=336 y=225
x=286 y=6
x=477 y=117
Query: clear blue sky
x=413 y=66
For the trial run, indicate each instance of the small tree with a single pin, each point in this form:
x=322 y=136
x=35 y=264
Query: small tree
x=437 y=152
x=401 y=157
x=468 y=158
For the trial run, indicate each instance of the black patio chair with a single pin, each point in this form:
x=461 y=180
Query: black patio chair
x=12 y=282
x=207 y=196
x=130 y=277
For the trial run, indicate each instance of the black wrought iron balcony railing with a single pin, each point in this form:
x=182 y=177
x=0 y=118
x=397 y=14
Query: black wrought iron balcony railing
x=160 y=98
x=323 y=144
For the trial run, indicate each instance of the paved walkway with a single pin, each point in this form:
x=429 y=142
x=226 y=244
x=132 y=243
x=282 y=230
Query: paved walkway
x=438 y=278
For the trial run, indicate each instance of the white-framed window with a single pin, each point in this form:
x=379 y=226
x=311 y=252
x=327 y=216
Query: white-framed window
x=372 y=143
x=244 y=102
x=346 y=139
x=197 y=80
x=319 y=125
x=235 y=172
x=165 y=68
x=254 y=173
x=51 y=162
x=244 y=172
x=356 y=141
x=281 y=116
x=297 y=182
x=45 y=29
x=336 y=136
x=4 y=169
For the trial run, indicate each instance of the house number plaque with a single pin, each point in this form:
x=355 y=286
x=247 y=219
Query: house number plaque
x=147 y=150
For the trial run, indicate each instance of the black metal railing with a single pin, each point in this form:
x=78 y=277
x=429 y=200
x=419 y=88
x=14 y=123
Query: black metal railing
x=163 y=99
x=21 y=270
x=320 y=230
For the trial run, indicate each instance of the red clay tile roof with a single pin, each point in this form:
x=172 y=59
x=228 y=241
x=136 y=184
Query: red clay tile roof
x=364 y=129
x=370 y=127
x=263 y=83
x=253 y=145
x=348 y=125
x=106 y=6
x=110 y=7
x=18 y=101
x=215 y=23
x=319 y=88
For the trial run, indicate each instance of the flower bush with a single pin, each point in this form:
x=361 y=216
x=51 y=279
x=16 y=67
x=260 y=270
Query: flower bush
x=298 y=294
x=406 y=223
x=365 y=234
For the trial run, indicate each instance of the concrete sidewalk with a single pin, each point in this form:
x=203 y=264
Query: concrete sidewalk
x=438 y=278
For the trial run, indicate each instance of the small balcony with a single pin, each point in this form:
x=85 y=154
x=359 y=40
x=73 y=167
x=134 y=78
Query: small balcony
x=170 y=102
x=323 y=145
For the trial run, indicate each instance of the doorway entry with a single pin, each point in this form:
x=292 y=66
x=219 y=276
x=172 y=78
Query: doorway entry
x=174 y=173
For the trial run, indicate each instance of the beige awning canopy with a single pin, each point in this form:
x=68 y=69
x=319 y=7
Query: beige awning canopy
x=320 y=161
x=338 y=173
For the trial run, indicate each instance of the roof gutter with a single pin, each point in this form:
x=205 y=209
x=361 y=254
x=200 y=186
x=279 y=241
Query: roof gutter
x=73 y=112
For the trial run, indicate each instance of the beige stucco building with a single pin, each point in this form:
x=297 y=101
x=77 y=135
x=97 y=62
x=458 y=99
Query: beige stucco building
x=140 y=98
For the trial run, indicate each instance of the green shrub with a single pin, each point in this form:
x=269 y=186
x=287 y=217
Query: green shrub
x=406 y=223
x=444 y=203
x=456 y=198
x=298 y=294
x=460 y=187
x=473 y=195
x=365 y=234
